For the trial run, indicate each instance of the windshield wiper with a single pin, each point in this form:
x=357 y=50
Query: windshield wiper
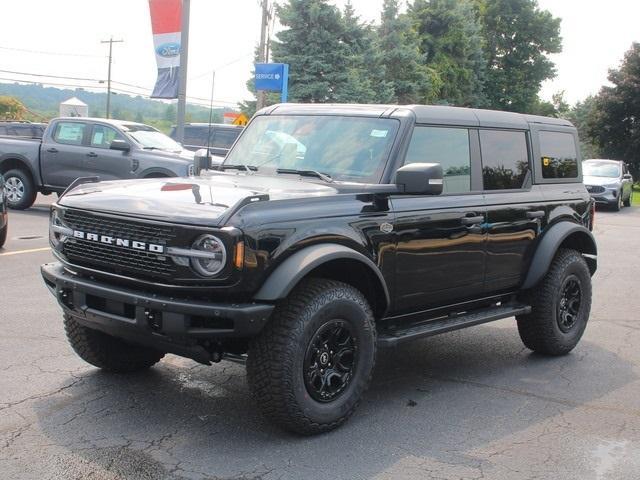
x=241 y=166
x=307 y=173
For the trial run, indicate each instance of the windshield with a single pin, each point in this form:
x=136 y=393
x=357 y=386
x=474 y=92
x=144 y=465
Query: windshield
x=601 y=169
x=353 y=149
x=151 y=138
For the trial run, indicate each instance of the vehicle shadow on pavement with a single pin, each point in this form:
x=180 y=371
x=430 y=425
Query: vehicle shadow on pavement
x=441 y=399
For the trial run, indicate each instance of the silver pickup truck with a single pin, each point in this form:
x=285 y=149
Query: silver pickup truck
x=87 y=147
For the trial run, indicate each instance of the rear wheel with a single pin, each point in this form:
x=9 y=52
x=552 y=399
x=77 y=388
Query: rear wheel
x=312 y=363
x=561 y=304
x=106 y=352
x=19 y=189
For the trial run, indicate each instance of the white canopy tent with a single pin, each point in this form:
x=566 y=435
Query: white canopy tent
x=74 y=108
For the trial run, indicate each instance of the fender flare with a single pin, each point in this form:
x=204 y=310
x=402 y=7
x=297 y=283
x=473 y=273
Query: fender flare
x=287 y=275
x=25 y=163
x=157 y=170
x=549 y=245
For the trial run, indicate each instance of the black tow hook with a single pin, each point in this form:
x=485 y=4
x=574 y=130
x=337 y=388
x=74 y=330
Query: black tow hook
x=154 y=319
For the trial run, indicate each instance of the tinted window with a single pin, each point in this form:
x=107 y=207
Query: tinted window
x=196 y=136
x=225 y=137
x=102 y=136
x=447 y=146
x=505 y=161
x=559 y=155
x=71 y=133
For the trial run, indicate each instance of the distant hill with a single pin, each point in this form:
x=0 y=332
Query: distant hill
x=45 y=101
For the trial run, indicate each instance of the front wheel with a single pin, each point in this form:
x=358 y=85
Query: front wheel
x=560 y=304
x=310 y=366
x=628 y=201
x=106 y=352
x=3 y=235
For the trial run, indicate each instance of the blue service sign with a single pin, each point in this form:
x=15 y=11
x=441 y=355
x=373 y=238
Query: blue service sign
x=271 y=76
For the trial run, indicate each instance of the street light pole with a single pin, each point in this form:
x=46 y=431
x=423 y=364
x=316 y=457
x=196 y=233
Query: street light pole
x=182 y=85
x=111 y=41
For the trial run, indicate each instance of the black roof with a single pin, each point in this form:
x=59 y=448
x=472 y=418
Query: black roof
x=434 y=114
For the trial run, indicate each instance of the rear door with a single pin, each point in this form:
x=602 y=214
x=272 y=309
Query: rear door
x=63 y=152
x=440 y=253
x=103 y=162
x=515 y=208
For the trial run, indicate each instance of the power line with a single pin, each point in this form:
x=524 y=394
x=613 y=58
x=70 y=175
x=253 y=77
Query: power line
x=41 y=52
x=52 y=76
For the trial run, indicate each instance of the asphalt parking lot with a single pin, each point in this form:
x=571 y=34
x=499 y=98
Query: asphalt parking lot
x=466 y=405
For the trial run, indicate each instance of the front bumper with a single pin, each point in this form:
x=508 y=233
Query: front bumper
x=169 y=324
x=608 y=197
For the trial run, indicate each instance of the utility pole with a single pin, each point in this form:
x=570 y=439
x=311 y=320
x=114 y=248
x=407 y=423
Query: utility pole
x=182 y=85
x=111 y=41
x=262 y=50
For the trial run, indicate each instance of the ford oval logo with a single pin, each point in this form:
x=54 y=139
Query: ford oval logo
x=171 y=49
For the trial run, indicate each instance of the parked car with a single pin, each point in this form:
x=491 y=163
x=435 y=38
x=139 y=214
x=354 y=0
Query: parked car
x=221 y=139
x=393 y=223
x=4 y=215
x=85 y=147
x=609 y=182
x=22 y=129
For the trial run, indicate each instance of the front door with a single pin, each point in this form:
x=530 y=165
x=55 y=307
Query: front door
x=103 y=162
x=440 y=252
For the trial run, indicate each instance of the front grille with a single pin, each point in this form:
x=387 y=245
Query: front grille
x=117 y=259
x=595 y=189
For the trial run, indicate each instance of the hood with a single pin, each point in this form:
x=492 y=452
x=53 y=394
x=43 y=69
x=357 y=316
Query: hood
x=182 y=155
x=601 y=181
x=206 y=200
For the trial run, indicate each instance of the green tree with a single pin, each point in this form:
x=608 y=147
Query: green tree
x=402 y=76
x=518 y=37
x=614 y=123
x=170 y=113
x=312 y=44
x=579 y=115
x=451 y=45
x=11 y=108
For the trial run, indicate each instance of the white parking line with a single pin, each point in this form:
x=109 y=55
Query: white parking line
x=31 y=250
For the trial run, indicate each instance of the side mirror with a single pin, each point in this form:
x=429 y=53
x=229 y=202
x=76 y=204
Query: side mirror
x=120 y=145
x=627 y=176
x=420 y=178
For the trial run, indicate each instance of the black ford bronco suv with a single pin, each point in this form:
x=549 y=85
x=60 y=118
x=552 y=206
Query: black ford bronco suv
x=330 y=231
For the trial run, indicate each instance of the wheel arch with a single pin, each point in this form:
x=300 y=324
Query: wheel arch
x=331 y=261
x=561 y=235
x=157 y=172
x=18 y=163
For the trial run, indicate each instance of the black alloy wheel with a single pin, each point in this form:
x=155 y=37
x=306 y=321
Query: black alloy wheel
x=569 y=303
x=330 y=361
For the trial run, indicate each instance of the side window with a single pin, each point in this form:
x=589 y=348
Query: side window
x=559 y=155
x=70 y=133
x=102 y=136
x=225 y=137
x=196 y=136
x=505 y=159
x=447 y=146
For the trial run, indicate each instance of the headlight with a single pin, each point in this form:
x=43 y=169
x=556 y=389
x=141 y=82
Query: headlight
x=58 y=233
x=212 y=258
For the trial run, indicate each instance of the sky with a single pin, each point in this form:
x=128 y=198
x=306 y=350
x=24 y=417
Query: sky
x=63 y=38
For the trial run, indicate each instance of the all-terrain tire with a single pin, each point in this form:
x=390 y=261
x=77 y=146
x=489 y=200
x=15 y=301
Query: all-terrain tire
x=545 y=330
x=25 y=189
x=106 y=352
x=278 y=357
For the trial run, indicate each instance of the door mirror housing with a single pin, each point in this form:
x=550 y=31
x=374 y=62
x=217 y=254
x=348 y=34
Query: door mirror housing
x=120 y=145
x=627 y=176
x=420 y=179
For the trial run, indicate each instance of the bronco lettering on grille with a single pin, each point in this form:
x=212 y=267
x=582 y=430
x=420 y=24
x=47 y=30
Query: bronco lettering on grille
x=119 y=242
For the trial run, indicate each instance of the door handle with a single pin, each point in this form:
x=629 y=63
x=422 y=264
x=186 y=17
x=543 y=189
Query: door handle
x=52 y=150
x=535 y=214
x=472 y=220
x=92 y=154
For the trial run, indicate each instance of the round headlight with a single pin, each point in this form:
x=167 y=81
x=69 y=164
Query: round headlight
x=213 y=257
x=57 y=231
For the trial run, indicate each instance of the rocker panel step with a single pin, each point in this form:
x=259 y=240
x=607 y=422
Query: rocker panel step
x=391 y=338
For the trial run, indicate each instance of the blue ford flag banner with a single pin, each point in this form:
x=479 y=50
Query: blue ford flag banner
x=273 y=77
x=166 y=18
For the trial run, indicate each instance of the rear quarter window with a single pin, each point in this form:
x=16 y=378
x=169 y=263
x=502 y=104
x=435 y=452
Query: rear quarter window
x=558 y=155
